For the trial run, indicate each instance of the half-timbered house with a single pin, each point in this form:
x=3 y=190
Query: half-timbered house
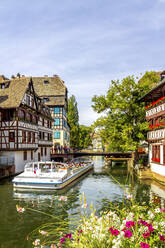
x=155 y=115
x=25 y=125
x=55 y=95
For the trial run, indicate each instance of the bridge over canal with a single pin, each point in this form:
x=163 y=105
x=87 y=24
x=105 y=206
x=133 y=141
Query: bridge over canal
x=109 y=156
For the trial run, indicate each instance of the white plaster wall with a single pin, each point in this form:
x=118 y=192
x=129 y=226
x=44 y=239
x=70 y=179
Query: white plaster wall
x=43 y=158
x=9 y=154
x=18 y=159
x=159 y=169
x=48 y=153
x=47 y=157
x=161 y=154
x=150 y=153
x=20 y=162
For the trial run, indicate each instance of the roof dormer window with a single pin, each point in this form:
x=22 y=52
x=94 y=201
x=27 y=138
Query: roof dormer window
x=3 y=86
x=46 y=99
x=46 y=81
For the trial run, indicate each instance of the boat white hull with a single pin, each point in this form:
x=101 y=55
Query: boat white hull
x=48 y=183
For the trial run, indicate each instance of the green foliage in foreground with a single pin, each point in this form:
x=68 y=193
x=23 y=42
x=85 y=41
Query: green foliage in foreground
x=123 y=125
x=131 y=226
x=122 y=225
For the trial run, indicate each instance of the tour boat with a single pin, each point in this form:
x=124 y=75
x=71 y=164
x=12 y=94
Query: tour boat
x=51 y=175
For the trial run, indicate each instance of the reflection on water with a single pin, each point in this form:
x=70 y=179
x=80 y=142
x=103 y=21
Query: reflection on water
x=99 y=185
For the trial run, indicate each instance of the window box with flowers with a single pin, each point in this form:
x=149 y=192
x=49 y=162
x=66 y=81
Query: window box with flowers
x=156 y=160
x=157 y=126
x=157 y=102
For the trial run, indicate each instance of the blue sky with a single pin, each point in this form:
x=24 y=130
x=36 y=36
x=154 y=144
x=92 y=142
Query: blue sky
x=87 y=43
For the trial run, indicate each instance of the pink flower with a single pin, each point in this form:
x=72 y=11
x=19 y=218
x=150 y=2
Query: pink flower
x=144 y=245
x=68 y=235
x=110 y=229
x=62 y=240
x=143 y=222
x=63 y=198
x=150 y=228
x=43 y=232
x=146 y=235
x=129 y=224
x=127 y=233
x=20 y=209
x=162 y=238
x=129 y=197
x=115 y=232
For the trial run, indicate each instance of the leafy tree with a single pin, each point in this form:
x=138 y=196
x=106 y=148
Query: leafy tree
x=73 y=119
x=123 y=125
x=149 y=80
x=85 y=136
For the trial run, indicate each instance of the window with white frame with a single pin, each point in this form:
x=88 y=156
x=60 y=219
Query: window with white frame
x=56 y=121
x=57 y=135
x=57 y=110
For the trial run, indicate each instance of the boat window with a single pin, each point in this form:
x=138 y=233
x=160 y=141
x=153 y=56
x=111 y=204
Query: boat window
x=62 y=170
x=29 y=167
x=45 y=167
x=35 y=166
x=54 y=167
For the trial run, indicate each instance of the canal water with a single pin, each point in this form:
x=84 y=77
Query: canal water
x=100 y=185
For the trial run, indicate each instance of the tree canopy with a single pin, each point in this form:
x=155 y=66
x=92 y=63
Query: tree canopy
x=85 y=136
x=73 y=119
x=79 y=134
x=123 y=124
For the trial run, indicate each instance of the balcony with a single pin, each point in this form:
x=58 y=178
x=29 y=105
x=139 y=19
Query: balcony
x=155 y=107
x=156 y=134
x=45 y=142
x=155 y=110
x=28 y=125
